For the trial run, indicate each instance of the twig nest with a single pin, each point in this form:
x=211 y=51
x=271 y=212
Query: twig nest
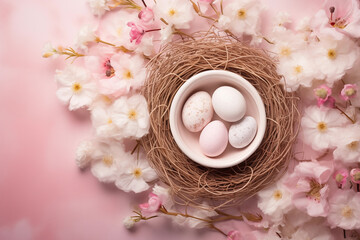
x=190 y=182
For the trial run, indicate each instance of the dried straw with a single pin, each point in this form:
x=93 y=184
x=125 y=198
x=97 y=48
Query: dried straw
x=190 y=182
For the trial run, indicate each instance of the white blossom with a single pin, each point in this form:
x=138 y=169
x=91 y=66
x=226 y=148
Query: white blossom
x=177 y=13
x=75 y=87
x=98 y=7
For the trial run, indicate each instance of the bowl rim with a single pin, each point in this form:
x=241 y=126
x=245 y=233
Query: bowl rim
x=215 y=163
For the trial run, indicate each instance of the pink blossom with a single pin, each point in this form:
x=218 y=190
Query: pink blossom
x=349 y=91
x=146 y=15
x=323 y=95
x=308 y=184
x=340 y=176
x=338 y=17
x=152 y=206
x=355 y=175
x=136 y=32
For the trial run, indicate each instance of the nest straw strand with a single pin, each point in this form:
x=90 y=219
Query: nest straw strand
x=190 y=182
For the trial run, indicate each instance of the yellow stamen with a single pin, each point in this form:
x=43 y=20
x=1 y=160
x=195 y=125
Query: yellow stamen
x=137 y=172
x=339 y=177
x=321 y=93
x=347 y=212
x=331 y=54
x=277 y=195
x=298 y=69
x=356 y=176
x=241 y=14
x=108 y=160
x=353 y=145
x=349 y=92
x=107 y=99
x=285 y=52
x=109 y=121
x=172 y=12
x=322 y=127
x=132 y=114
x=128 y=75
x=76 y=87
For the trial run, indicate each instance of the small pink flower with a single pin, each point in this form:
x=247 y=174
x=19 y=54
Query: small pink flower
x=355 y=175
x=322 y=94
x=233 y=235
x=349 y=91
x=136 y=32
x=341 y=176
x=146 y=15
x=152 y=206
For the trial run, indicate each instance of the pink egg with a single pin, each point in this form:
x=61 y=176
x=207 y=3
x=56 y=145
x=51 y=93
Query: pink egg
x=213 y=139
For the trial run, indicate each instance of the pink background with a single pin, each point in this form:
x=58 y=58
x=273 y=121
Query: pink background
x=43 y=195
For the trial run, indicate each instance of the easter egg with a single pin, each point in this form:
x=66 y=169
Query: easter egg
x=197 y=111
x=243 y=132
x=213 y=139
x=229 y=103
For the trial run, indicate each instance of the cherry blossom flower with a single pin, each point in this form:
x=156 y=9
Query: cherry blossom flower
x=128 y=222
x=164 y=195
x=102 y=118
x=98 y=7
x=129 y=73
x=355 y=175
x=105 y=160
x=178 y=13
x=132 y=116
x=298 y=71
x=136 y=32
x=135 y=173
x=323 y=94
x=152 y=206
x=146 y=16
x=348 y=146
x=287 y=44
x=349 y=91
x=275 y=201
x=334 y=57
x=85 y=36
x=75 y=87
x=320 y=127
x=310 y=191
x=241 y=17
x=344 y=210
x=84 y=153
x=338 y=17
x=48 y=50
x=340 y=176
x=233 y=235
x=114 y=29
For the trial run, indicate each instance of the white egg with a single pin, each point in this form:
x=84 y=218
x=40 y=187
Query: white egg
x=243 y=132
x=229 y=103
x=197 y=111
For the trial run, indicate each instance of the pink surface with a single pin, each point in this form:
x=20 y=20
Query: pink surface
x=43 y=195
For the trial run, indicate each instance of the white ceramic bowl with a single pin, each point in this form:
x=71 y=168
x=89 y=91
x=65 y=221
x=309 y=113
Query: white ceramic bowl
x=208 y=81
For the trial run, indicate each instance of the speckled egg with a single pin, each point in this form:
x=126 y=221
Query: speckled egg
x=229 y=103
x=197 y=111
x=243 y=132
x=213 y=139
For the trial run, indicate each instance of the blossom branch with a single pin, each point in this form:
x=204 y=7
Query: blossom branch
x=347 y=116
x=120 y=48
x=125 y=3
x=198 y=11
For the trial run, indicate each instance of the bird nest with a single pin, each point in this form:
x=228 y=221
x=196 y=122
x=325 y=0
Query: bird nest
x=190 y=182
